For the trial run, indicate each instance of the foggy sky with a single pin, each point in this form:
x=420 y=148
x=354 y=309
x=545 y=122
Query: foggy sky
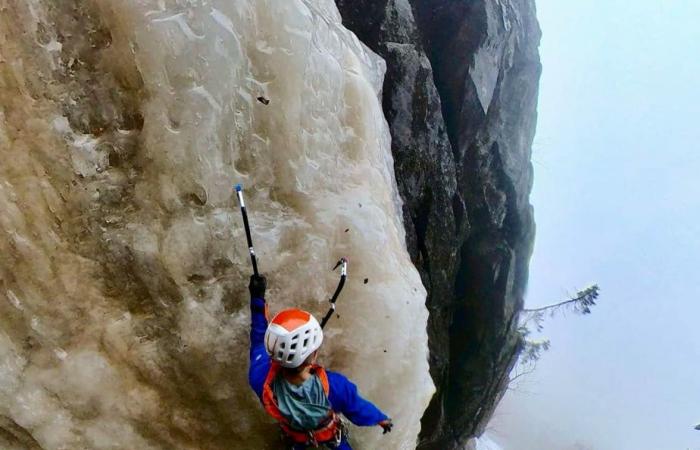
x=617 y=202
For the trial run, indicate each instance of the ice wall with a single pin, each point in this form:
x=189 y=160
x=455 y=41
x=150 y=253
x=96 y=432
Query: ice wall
x=123 y=263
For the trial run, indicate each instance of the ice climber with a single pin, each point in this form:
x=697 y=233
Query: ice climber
x=301 y=395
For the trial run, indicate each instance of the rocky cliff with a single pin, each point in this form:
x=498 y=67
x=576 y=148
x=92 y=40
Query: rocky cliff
x=124 y=311
x=123 y=125
x=460 y=97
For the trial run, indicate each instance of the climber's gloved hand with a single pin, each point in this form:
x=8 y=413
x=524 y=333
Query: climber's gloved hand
x=257 y=286
x=387 y=425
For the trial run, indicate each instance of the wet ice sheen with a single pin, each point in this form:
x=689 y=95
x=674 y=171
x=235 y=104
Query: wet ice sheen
x=123 y=263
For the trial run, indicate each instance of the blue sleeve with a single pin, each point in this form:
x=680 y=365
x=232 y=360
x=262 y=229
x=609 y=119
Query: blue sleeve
x=345 y=399
x=259 y=360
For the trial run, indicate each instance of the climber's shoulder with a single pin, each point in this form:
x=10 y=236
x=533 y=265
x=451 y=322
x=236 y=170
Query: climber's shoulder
x=339 y=384
x=334 y=375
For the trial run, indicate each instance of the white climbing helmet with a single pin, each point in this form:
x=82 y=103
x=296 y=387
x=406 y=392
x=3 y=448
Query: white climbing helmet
x=292 y=336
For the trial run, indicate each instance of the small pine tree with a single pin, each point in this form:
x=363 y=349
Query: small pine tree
x=532 y=349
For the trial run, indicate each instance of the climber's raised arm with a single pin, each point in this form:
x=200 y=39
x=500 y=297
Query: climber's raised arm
x=259 y=360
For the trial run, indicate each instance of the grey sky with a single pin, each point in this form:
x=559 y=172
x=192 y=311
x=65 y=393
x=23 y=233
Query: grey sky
x=617 y=202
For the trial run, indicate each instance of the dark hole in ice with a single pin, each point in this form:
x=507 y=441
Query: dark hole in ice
x=114 y=159
x=196 y=278
x=196 y=198
x=263 y=100
x=366 y=280
x=132 y=121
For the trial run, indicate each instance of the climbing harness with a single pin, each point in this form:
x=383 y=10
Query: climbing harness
x=328 y=432
x=341 y=432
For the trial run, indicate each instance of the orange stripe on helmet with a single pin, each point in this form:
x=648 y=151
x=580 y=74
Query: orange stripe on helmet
x=291 y=319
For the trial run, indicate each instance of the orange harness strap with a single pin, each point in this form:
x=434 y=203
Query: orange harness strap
x=326 y=432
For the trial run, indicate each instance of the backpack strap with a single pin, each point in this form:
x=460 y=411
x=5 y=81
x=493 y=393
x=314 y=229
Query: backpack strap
x=326 y=432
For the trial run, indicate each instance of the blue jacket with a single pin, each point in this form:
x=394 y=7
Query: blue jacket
x=342 y=395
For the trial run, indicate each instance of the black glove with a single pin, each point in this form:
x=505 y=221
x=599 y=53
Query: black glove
x=387 y=425
x=257 y=286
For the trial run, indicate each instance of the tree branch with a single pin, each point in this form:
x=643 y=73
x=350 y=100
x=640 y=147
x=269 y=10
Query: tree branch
x=586 y=295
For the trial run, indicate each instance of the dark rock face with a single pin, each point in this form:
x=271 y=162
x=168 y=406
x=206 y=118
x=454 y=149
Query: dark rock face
x=460 y=97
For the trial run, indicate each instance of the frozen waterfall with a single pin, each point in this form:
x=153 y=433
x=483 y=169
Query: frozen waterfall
x=123 y=263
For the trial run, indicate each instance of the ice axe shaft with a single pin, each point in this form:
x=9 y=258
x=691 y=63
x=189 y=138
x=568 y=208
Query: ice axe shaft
x=239 y=194
x=343 y=263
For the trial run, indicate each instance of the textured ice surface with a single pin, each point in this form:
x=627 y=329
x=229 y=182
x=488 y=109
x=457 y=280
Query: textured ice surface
x=123 y=263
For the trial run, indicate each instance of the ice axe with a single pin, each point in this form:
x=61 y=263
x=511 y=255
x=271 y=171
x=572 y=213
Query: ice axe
x=239 y=194
x=343 y=263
